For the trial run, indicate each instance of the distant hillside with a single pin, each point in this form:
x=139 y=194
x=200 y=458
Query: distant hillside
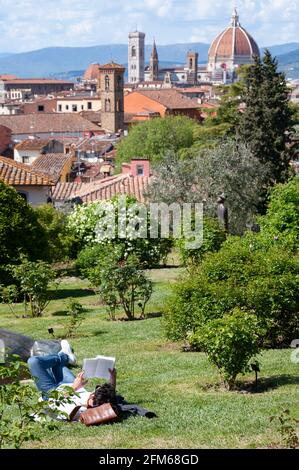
x=66 y=62
x=289 y=64
x=58 y=60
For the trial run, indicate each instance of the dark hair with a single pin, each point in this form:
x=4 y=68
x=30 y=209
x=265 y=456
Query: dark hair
x=105 y=394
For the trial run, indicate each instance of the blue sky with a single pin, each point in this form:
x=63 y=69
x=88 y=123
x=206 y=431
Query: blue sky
x=33 y=24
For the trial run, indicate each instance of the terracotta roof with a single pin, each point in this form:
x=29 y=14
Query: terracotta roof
x=52 y=163
x=170 y=98
x=92 y=72
x=46 y=123
x=112 y=65
x=92 y=116
x=103 y=189
x=16 y=174
x=36 y=81
x=33 y=144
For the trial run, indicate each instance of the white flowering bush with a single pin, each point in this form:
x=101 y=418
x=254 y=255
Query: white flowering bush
x=120 y=222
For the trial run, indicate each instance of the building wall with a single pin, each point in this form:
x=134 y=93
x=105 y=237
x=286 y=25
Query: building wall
x=35 y=195
x=32 y=155
x=137 y=103
x=111 y=86
x=44 y=106
x=76 y=106
x=5 y=138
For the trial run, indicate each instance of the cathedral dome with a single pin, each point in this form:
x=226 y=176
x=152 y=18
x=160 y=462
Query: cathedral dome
x=234 y=46
x=92 y=72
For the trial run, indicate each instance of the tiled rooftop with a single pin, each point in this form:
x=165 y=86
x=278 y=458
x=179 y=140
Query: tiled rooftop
x=16 y=174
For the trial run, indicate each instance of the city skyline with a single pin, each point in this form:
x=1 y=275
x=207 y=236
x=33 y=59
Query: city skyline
x=32 y=25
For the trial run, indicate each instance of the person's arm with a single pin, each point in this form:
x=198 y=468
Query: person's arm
x=113 y=378
x=79 y=381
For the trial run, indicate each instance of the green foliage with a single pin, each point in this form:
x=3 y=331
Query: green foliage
x=213 y=237
x=258 y=273
x=77 y=314
x=22 y=416
x=61 y=243
x=230 y=168
x=230 y=342
x=281 y=222
x=121 y=284
x=154 y=138
x=111 y=225
x=20 y=231
x=267 y=121
x=9 y=295
x=35 y=279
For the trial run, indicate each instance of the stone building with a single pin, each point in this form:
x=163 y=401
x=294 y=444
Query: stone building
x=111 y=87
x=136 y=54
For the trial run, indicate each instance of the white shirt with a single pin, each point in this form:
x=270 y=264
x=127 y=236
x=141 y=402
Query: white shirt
x=80 y=400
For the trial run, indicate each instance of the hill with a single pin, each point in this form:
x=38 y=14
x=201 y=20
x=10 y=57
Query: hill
x=60 y=61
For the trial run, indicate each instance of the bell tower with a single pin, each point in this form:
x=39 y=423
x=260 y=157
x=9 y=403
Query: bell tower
x=192 y=65
x=154 y=64
x=136 y=57
x=111 y=86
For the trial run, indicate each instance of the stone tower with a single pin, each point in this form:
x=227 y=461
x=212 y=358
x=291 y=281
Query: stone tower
x=192 y=65
x=154 y=64
x=111 y=86
x=136 y=57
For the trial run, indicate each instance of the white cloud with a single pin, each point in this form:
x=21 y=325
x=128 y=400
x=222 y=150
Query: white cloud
x=31 y=24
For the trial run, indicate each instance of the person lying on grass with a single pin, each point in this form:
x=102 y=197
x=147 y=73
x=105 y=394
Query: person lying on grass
x=51 y=373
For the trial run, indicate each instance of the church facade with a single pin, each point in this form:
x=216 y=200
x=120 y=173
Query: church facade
x=232 y=48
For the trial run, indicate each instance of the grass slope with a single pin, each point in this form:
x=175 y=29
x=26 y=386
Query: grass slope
x=154 y=373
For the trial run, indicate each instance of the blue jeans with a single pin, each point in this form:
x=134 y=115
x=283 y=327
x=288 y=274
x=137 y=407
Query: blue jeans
x=50 y=371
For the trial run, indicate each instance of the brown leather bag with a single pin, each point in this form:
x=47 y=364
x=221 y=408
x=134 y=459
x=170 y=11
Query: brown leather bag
x=98 y=415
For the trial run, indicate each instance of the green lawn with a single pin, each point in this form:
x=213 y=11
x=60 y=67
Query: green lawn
x=154 y=373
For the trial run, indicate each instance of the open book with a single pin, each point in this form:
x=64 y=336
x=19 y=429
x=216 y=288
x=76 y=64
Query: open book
x=98 y=367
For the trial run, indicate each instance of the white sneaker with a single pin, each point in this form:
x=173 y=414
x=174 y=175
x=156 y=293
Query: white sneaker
x=66 y=349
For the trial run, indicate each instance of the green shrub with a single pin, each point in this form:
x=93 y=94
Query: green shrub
x=20 y=232
x=35 y=279
x=213 y=237
x=230 y=343
x=76 y=315
x=62 y=244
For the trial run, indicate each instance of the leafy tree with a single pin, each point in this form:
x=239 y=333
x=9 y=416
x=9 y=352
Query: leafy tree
x=20 y=231
x=267 y=121
x=115 y=224
x=61 y=243
x=121 y=284
x=34 y=279
x=230 y=343
x=152 y=139
x=230 y=169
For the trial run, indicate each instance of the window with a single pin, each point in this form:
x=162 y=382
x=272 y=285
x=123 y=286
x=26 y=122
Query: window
x=140 y=170
x=107 y=105
x=82 y=106
x=60 y=107
x=25 y=159
x=107 y=83
x=40 y=108
x=118 y=105
x=74 y=108
x=67 y=107
x=89 y=105
x=119 y=81
x=133 y=51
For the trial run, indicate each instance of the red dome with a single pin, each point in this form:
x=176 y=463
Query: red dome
x=92 y=72
x=233 y=41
